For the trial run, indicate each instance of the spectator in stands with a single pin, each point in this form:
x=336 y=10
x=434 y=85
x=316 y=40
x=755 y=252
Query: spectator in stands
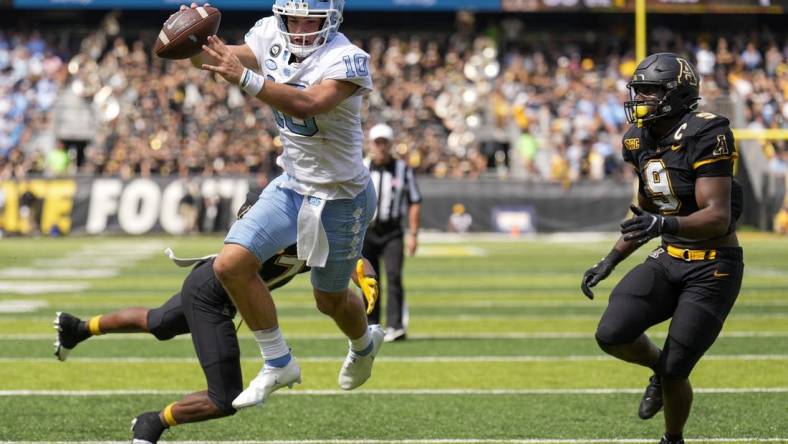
x=751 y=57
x=188 y=208
x=57 y=161
x=458 y=103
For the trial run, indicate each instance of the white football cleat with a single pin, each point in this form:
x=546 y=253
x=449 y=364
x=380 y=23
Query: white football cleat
x=395 y=334
x=269 y=380
x=357 y=369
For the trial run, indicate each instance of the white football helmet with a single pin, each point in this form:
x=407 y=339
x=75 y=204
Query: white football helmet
x=329 y=10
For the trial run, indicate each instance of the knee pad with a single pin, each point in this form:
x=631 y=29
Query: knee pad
x=223 y=393
x=163 y=325
x=605 y=337
x=677 y=360
x=610 y=333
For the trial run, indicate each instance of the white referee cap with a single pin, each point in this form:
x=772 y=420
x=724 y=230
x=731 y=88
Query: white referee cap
x=381 y=131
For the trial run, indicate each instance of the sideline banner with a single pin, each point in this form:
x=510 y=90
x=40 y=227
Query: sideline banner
x=106 y=205
x=113 y=205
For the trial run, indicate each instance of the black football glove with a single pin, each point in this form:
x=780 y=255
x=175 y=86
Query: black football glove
x=645 y=226
x=600 y=271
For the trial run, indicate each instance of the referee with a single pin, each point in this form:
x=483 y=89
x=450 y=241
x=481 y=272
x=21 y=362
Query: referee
x=385 y=239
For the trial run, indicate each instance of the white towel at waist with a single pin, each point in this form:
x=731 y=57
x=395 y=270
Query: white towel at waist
x=312 y=240
x=186 y=262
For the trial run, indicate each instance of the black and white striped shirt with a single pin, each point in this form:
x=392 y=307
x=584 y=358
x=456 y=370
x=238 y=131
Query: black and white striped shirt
x=395 y=184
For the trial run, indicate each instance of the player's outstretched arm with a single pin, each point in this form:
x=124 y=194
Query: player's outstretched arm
x=295 y=102
x=603 y=268
x=621 y=250
x=305 y=103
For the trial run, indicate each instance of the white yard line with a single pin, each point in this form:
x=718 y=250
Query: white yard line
x=497 y=318
x=576 y=239
x=121 y=253
x=61 y=273
x=433 y=441
x=22 y=306
x=29 y=287
x=440 y=392
x=432 y=336
x=414 y=359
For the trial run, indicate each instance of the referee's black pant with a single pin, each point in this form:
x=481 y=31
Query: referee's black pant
x=389 y=246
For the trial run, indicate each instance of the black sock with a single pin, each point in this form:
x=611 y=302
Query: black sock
x=674 y=438
x=83 y=330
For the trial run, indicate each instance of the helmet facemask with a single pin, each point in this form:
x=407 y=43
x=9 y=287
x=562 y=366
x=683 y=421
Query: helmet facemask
x=643 y=111
x=666 y=99
x=331 y=16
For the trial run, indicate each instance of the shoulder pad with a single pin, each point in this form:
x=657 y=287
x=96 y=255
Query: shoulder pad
x=631 y=139
x=341 y=47
x=700 y=123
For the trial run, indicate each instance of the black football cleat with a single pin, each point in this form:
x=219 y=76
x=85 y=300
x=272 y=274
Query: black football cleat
x=651 y=403
x=665 y=440
x=70 y=331
x=147 y=428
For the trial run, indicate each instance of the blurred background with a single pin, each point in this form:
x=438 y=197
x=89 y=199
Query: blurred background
x=510 y=111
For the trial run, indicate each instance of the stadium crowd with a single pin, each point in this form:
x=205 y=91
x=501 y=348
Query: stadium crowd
x=462 y=105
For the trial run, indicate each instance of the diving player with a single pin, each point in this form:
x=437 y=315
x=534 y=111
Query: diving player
x=203 y=309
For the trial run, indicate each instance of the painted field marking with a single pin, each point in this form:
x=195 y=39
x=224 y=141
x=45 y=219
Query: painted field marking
x=438 y=392
x=414 y=359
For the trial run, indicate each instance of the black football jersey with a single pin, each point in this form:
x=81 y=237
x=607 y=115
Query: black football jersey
x=700 y=145
x=282 y=267
x=277 y=271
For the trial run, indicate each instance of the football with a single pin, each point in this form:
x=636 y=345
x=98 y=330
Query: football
x=184 y=33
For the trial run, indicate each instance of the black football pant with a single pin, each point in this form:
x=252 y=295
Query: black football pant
x=390 y=248
x=209 y=317
x=697 y=296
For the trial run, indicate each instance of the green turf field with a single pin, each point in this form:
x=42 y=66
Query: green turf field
x=500 y=349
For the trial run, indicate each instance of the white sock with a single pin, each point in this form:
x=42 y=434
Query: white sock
x=361 y=343
x=272 y=344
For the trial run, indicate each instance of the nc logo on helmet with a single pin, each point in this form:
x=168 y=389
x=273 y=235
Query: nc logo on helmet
x=686 y=73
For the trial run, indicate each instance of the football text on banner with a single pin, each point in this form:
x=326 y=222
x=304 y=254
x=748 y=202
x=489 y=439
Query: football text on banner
x=37 y=205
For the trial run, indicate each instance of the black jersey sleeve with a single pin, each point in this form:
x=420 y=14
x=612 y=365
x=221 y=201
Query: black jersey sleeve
x=630 y=144
x=714 y=150
x=282 y=267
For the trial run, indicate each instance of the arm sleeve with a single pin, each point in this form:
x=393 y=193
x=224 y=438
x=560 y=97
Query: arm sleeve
x=714 y=151
x=351 y=66
x=641 y=186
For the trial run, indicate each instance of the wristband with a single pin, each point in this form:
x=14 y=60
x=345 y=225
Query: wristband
x=614 y=257
x=251 y=82
x=670 y=225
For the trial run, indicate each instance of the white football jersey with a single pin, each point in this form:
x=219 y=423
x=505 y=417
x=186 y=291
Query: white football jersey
x=322 y=155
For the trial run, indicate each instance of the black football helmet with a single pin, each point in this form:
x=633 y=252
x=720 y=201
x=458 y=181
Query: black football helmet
x=672 y=84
